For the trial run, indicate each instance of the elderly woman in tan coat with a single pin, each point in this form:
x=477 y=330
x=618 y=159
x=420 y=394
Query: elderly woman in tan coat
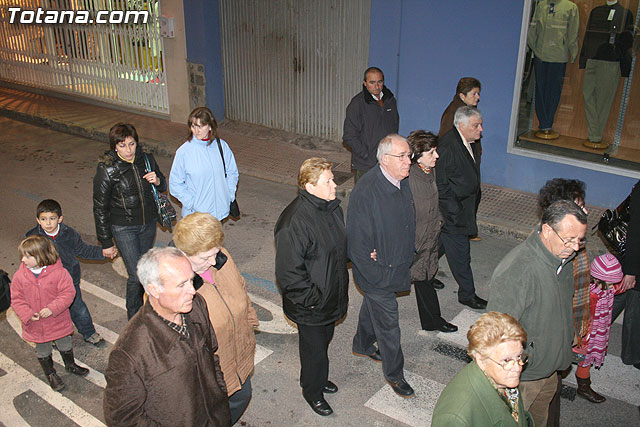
x=422 y=181
x=218 y=280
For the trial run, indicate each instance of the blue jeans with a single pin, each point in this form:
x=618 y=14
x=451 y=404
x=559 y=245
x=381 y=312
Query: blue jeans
x=549 y=81
x=79 y=311
x=133 y=241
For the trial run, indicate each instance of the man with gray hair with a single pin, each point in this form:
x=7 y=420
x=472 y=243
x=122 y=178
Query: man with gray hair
x=534 y=283
x=163 y=370
x=458 y=181
x=380 y=244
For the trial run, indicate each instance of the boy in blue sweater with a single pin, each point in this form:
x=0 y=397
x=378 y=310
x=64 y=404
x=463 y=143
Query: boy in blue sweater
x=70 y=245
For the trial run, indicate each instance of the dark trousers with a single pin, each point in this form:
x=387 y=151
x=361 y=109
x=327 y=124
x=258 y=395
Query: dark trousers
x=549 y=81
x=428 y=305
x=239 y=401
x=378 y=321
x=313 y=343
x=80 y=313
x=630 y=303
x=458 y=251
x=133 y=241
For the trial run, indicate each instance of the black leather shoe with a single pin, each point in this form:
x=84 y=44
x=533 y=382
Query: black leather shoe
x=448 y=327
x=402 y=388
x=373 y=356
x=437 y=284
x=320 y=407
x=330 y=388
x=476 y=302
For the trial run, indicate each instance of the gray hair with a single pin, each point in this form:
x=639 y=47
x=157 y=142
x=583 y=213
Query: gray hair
x=464 y=113
x=149 y=265
x=556 y=212
x=386 y=143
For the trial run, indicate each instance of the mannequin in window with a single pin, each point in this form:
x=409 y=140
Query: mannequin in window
x=605 y=57
x=553 y=38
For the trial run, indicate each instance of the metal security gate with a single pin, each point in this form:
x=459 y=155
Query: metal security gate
x=293 y=64
x=117 y=63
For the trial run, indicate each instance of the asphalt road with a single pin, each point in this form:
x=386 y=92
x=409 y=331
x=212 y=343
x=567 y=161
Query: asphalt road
x=36 y=163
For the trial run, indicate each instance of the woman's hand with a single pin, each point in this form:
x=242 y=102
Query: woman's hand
x=374 y=255
x=45 y=312
x=152 y=178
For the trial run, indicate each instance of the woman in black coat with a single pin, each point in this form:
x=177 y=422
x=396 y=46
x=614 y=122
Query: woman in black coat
x=630 y=300
x=311 y=270
x=123 y=205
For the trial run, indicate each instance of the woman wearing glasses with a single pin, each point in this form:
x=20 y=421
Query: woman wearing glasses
x=485 y=392
x=204 y=175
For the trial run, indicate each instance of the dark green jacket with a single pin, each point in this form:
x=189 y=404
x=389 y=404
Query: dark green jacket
x=526 y=286
x=470 y=400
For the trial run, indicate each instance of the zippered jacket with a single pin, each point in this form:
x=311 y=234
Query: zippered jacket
x=197 y=178
x=233 y=318
x=527 y=285
x=121 y=196
x=53 y=289
x=366 y=123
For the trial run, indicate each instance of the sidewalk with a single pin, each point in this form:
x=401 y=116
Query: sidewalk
x=260 y=152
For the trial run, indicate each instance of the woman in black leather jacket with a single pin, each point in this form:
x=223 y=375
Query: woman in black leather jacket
x=123 y=206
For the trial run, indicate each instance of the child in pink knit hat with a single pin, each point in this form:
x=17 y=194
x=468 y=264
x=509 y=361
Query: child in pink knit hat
x=606 y=275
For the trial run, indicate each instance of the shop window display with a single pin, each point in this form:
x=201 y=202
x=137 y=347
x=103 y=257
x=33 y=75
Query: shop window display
x=579 y=94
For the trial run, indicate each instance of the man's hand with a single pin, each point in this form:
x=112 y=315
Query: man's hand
x=110 y=252
x=628 y=282
x=374 y=255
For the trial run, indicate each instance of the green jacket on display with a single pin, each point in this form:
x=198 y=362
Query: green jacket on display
x=553 y=31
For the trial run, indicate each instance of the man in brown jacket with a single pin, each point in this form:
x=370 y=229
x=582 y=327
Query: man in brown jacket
x=163 y=370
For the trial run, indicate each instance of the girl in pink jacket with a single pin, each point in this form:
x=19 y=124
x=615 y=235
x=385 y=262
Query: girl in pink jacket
x=41 y=293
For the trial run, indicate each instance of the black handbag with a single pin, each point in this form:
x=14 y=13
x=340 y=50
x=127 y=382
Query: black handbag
x=166 y=212
x=5 y=291
x=234 y=209
x=614 y=225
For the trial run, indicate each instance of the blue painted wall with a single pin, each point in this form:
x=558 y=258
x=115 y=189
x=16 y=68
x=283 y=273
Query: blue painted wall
x=202 y=27
x=425 y=46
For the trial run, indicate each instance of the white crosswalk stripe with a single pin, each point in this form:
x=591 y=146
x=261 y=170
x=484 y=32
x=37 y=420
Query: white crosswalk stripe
x=18 y=380
x=414 y=412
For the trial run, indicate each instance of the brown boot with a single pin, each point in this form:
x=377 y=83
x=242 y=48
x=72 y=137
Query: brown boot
x=50 y=372
x=585 y=390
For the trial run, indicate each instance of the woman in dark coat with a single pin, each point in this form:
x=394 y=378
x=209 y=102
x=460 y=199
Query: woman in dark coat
x=422 y=181
x=311 y=270
x=630 y=301
x=123 y=205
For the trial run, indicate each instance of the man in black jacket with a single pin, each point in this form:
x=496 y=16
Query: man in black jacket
x=380 y=244
x=458 y=180
x=371 y=115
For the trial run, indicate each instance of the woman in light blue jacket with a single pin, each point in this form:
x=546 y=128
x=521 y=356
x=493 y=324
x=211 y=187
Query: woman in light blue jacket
x=204 y=175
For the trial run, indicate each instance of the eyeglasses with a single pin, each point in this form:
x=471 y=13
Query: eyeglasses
x=570 y=243
x=402 y=156
x=509 y=364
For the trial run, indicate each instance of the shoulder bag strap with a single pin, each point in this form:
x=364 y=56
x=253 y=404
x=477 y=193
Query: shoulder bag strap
x=222 y=156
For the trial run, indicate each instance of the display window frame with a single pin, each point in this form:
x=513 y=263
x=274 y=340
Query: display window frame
x=621 y=156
